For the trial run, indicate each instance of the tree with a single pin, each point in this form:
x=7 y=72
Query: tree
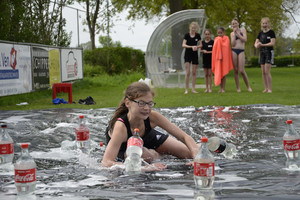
x=98 y=17
x=106 y=41
x=38 y=21
x=220 y=12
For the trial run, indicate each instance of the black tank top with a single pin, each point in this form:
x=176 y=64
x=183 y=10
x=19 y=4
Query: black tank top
x=124 y=119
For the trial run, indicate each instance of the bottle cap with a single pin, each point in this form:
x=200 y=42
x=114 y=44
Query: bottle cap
x=101 y=144
x=204 y=139
x=24 y=146
x=81 y=116
x=289 y=121
x=3 y=126
x=136 y=130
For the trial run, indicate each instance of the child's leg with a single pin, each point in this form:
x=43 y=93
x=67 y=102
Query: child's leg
x=210 y=78
x=194 y=69
x=187 y=77
x=268 y=77
x=206 y=78
x=264 y=76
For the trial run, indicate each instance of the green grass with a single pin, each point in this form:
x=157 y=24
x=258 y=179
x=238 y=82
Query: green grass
x=107 y=91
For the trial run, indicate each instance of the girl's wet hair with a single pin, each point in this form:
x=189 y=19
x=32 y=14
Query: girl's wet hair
x=194 y=23
x=207 y=30
x=266 y=19
x=133 y=91
x=222 y=29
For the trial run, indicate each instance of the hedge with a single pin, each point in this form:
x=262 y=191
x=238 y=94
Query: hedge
x=279 y=61
x=116 y=60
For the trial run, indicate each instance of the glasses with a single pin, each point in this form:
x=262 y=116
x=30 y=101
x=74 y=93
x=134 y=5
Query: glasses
x=143 y=103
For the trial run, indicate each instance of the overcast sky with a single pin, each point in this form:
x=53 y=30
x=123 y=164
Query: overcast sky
x=136 y=36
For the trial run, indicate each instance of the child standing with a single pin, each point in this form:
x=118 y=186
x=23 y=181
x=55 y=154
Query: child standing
x=265 y=42
x=221 y=59
x=207 y=46
x=191 y=43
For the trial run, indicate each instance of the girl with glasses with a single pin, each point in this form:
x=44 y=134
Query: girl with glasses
x=135 y=111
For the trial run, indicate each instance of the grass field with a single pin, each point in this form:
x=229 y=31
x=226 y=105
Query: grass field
x=107 y=91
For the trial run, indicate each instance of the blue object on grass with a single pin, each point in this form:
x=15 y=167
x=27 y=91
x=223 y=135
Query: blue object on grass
x=59 y=101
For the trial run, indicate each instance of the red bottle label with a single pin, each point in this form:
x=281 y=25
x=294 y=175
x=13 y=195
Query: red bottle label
x=25 y=176
x=7 y=148
x=135 y=142
x=82 y=135
x=204 y=169
x=291 y=145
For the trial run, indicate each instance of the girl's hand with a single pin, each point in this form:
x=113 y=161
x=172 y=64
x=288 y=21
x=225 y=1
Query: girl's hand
x=155 y=167
x=204 y=51
x=195 y=48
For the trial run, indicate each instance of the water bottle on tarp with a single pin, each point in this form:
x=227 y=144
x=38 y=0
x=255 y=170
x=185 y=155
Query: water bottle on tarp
x=6 y=146
x=133 y=161
x=204 y=194
x=291 y=145
x=204 y=167
x=83 y=136
x=220 y=146
x=25 y=172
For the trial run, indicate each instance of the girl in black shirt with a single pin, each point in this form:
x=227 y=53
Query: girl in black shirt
x=207 y=46
x=265 y=42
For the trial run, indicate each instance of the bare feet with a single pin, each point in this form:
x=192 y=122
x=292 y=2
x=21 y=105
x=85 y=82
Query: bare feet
x=194 y=91
x=249 y=89
x=269 y=91
x=221 y=91
x=186 y=92
x=265 y=91
x=206 y=91
x=238 y=90
x=209 y=90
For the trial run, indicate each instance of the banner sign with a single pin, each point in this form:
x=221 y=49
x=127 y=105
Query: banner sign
x=71 y=64
x=40 y=68
x=15 y=69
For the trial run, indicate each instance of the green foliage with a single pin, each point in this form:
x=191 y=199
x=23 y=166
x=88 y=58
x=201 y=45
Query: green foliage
x=37 y=21
x=107 y=42
x=116 y=60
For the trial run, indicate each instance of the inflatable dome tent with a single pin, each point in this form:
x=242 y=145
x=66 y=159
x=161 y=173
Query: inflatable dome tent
x=164 y=55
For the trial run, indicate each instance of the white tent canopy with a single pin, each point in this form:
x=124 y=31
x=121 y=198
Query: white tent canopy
x=164 y=54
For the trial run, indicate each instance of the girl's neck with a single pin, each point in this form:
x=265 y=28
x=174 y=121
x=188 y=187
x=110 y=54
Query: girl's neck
x=207 y=40
x=266 y=29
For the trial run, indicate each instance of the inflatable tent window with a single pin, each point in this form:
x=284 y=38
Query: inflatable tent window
x=164 y=55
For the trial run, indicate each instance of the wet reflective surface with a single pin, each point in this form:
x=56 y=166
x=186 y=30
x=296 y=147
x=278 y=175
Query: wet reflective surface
x=257 y=172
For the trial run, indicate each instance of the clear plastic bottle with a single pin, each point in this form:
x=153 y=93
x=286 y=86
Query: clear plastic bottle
x=83 y=136
x=204 y=167
x=204 y=194
x=133 y=161
x=25 y=172
x=219 y=145
x=291 y=145
x=6 y=146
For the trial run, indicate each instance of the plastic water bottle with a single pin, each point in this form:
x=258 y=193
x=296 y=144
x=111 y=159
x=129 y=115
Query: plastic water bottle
x=83 y=136
x=133 y=161
x=204 y=167
x=25 y=169
x=219 y=145
x=6 y=146
x=204 y=194
x=291 y=145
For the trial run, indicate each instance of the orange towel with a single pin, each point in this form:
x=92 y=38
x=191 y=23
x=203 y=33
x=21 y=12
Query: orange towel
x=221 y=58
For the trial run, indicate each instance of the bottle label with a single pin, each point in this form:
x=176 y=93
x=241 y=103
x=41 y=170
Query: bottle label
x=82 y=135
x=6 y=148
x=222 y=147
x=25 y=176
x=204 y=169
x=291 y=145
x=135 y=142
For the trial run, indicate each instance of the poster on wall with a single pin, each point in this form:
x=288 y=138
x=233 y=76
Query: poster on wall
x=71 y=64
x=40 y=68
x=54 y=66
x=15 y=69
